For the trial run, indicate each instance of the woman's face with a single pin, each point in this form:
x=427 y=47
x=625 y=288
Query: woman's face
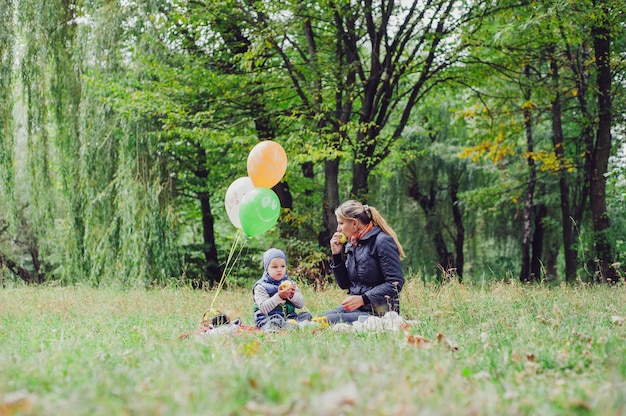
x=277 y=268
x=348 y=227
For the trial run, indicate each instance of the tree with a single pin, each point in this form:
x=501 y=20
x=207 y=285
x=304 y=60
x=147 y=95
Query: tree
x=601 y=38
x=548 y=36
x=435 y=178
x=358 y=69
x=136 y=117
x=7 y=44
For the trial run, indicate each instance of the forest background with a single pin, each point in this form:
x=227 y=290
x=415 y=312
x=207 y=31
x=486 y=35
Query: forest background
x=490 y=134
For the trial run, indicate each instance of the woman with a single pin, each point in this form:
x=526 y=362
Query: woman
x=366 y=262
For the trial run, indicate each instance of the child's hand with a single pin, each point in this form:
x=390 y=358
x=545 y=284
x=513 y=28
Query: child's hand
x=286 y=290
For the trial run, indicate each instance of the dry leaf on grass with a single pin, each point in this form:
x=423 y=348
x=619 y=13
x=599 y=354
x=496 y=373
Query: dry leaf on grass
x=266 y=409
x=530 y=357
x=421 y=342
x=531 y=366
x=446 y=343
x=618 y=320
x=418 y=341
x=14 y=403
x=335 y=402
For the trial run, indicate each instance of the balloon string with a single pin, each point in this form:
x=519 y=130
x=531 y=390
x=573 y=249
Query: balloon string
x=229 y=265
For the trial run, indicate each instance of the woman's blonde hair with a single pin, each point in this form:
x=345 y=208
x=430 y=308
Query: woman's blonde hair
x=354 y=210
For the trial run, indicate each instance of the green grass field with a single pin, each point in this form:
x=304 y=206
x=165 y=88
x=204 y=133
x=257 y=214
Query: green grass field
x=521 y=351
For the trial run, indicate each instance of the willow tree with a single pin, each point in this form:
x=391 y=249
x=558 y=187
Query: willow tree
x=93 y=205
x=133 y=209
x=7 y=41
x=207 y=114
x=35 y=191
x=436 y=178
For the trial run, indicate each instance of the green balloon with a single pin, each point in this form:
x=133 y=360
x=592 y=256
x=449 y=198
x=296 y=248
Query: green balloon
x=258 y=211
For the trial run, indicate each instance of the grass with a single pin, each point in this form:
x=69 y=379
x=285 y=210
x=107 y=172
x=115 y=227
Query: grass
x=521 y=350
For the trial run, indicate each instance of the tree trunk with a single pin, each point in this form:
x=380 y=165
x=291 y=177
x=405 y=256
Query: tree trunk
x=559 y=152
x=525 y=273
x=284 y=194
x=18 y=270
x=360 y=188
x=331 y=200
x=434 y=228
x=578 y=58
x=601 y=34
x=540 y=211
x=212 y=268
x=579 y=65
x=459 y=237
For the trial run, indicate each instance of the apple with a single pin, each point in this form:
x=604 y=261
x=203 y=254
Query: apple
x=285 y=285
x=342 y=238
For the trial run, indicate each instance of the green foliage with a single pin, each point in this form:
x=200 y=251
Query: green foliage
x=7 y=39
x=616 y=185
x=120 y=119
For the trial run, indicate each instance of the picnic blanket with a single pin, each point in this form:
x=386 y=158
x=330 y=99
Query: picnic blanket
x=391 y=321
x=226 y=328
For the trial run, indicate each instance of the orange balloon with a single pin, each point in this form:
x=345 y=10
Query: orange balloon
x=267 y=164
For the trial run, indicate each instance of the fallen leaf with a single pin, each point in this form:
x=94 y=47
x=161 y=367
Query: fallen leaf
x=418 y=341
x=253 y=383
x=336 y=402
x=256 y=408
x=449 y=345
x=15 y=402
x=618 y=320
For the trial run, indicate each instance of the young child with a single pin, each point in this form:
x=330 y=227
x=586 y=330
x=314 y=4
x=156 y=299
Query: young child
x=276 y=298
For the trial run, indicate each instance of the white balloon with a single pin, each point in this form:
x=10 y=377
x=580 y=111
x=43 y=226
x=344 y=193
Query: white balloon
x=234 y=195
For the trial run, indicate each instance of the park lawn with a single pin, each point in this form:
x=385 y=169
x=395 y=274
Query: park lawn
x=504 y=349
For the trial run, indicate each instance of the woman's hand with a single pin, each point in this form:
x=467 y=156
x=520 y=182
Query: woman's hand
x=335 y=243
x=352 y=303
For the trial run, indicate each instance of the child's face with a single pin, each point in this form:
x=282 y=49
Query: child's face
x=277 y=268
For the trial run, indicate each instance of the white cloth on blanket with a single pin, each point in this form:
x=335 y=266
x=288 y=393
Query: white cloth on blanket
x=222 y=329
x=391 y=321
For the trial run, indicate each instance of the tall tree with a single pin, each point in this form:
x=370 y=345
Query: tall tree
x=526 y=273
x=554 y=38
x=7 y=202
x=7 y=45
x=601 y=29
x=558 y=141
x=435 y=177
x=359 y=68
